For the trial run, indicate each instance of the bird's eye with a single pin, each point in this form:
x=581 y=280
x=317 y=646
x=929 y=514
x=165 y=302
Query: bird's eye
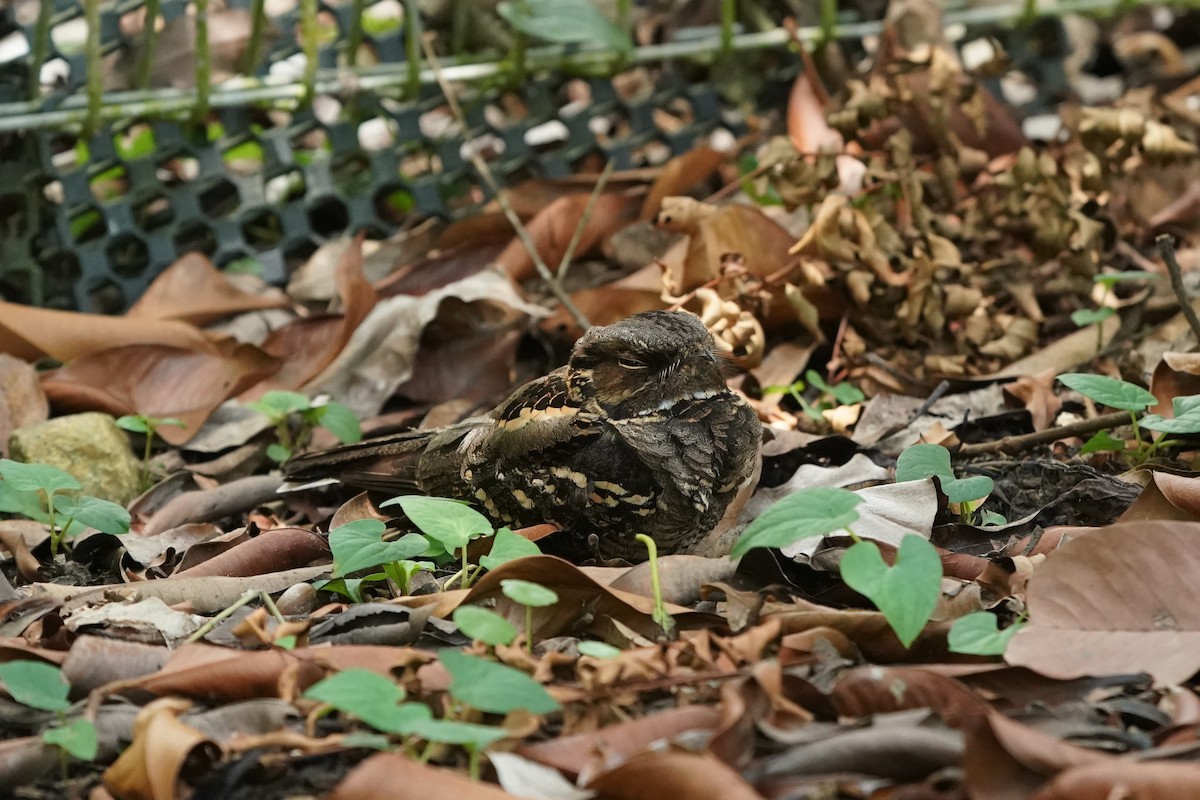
x=631 y=363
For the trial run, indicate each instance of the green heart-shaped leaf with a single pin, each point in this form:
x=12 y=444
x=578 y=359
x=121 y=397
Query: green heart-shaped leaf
x=907 y=592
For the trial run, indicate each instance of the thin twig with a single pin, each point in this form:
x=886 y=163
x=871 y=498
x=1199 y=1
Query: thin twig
x=485 y=172
x=565 y=264
x=1013 y=444
x=1167 y=249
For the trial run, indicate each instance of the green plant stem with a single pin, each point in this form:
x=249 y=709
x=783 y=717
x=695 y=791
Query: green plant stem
x=473 y=758
x=354 y=38
x=203 y=62
x=466 y=569
x=224 y=614
x=258 y=32
x=95 y=74
x=728 y=20
x=660 y=615
x=412 y=47
x=40 y=48
x=149 y=36
x=529 y=629
x=145 y=476
x=309 y=42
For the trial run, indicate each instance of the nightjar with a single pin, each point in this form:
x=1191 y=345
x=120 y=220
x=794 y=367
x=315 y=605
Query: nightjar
x=638 y=433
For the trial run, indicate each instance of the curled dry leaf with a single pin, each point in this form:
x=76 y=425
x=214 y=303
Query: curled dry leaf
x=1126 y=598
x=150 y=767
x=33 y=333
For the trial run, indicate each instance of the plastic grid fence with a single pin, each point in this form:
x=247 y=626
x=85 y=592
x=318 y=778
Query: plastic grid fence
x=91 y=231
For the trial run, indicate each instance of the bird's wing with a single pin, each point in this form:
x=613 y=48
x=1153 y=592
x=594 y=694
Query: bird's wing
x=536 y=416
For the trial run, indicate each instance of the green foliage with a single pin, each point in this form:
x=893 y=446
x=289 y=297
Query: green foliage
x=295 y=418
x=485 y=626
x=508 y=546
x=528 y=593
x=51 y=495
x=1091 y=316
x=1109 y=391
x=1134 y=399
x=531 y=595
x=977 y=635
x=450 y=522
x=359 y=545
x=598 y=649
x=36 y=684
x=827 y=398
x=39 y=685
x=373 y=698
x=1102 y=442
x=564 y=22
x=815 y=511
x=1185 y=421
x=923 y=461
x=906 y=592
x=493 y=687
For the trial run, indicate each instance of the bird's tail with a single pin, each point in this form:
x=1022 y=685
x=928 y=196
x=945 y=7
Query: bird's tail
x=386 y=464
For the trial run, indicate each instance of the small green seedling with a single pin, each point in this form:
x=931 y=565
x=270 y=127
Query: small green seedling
x=660 y=614
x=1097 y=316
x=148 y=426
x=41 y=686
x=531 y=595
x=923 y=461
x=359 y=545
x=286 y=409
x=484 y=626
x=598 y=649
x=51 y=495
x=495 y=688
x=828 y=396
x=379 y=702
x=906 y=593
x=1132 y=398
x=449 y=523
x=977 y=635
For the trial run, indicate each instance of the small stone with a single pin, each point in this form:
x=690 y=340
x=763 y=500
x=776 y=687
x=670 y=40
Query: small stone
x=299 y=599
x=89 y=446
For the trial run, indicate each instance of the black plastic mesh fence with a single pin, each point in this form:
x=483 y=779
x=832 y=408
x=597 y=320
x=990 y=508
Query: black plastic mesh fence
x=88 y=223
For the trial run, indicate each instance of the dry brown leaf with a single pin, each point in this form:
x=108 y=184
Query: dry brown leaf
x=308 y=345
x=678 y=775
x=1006 y=760
x=1123 y=778
x=554 y=226
x=33 y=333
x=159 y=381
x=1176 y=375
x=271 y=551
x=149 y=769
x=586 y=753
x=679 y=175
x=1166 y=497
x=390 y=776
x=21 y=399
x=1125 y=599
x=193 y=290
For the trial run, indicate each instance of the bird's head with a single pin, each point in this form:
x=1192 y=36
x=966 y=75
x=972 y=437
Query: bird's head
x=646 y=362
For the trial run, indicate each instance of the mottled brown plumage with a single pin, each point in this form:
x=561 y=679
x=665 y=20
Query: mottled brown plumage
x=638 y=433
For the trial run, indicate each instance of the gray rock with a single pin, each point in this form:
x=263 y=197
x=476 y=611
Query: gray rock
x=89 y=446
